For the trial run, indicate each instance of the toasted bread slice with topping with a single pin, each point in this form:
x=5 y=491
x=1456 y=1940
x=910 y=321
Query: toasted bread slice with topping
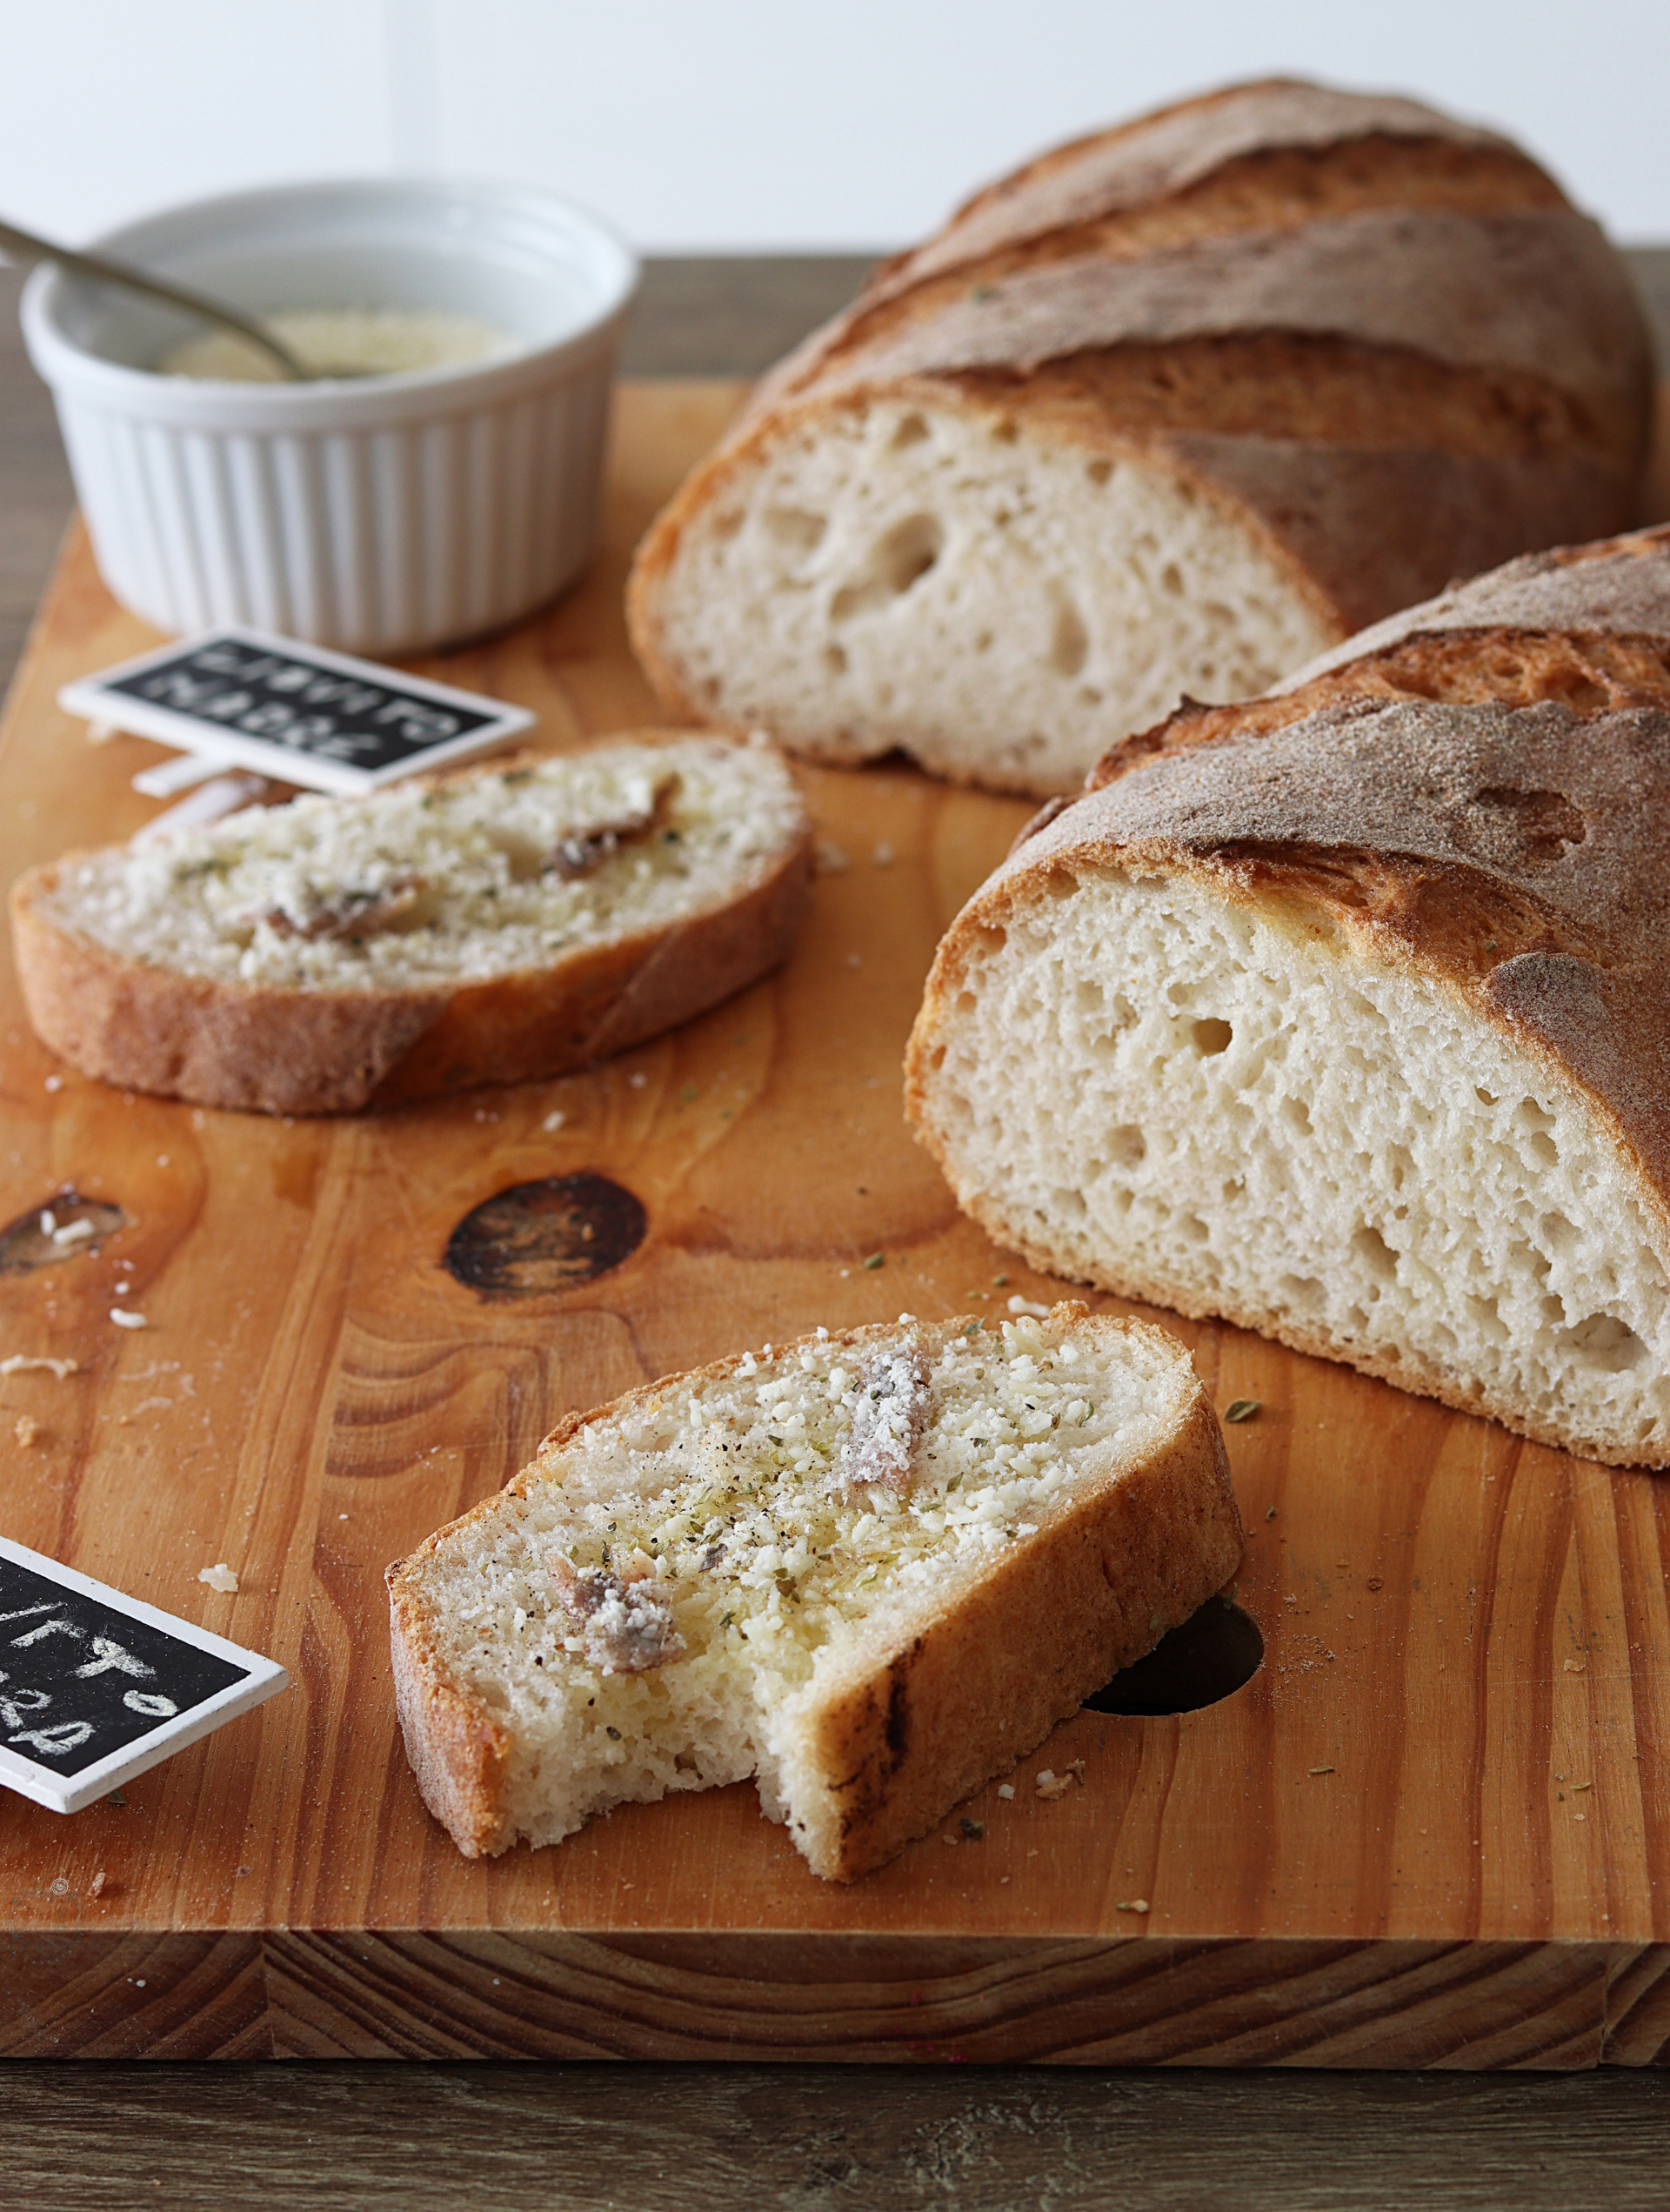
x=870 y=1570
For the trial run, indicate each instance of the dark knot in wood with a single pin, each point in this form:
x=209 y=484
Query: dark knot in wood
x=60 y=1227
x=538 y=1238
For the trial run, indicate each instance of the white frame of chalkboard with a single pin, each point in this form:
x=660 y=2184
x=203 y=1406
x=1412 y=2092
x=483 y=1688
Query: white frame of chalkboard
x=265 y=1679
x=90 y=698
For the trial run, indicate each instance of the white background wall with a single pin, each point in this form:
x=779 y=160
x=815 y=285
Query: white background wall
x=731 y=125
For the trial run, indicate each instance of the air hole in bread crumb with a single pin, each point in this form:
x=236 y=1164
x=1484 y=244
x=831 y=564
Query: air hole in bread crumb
x=911 y=430
x=1213 y=1036
x=1604 y=1344
x=1371 y=1248
x=1070 y=641
x=1127 y=1147
x=899 y=560
x=835 y=660
x=1098 y=472
x=795 y=529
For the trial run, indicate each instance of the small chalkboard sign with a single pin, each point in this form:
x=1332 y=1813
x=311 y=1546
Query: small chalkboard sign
x=295 y=712
x=95 y=1686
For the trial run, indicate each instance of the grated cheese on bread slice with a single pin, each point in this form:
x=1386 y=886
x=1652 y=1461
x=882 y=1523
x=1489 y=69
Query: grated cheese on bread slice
x=870 y=1569
x=509 y=921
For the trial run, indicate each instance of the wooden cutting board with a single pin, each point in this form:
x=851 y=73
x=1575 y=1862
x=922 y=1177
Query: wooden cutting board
x=1434 y=1829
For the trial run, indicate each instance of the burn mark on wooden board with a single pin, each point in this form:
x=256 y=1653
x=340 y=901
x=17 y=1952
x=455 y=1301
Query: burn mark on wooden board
x=538 y=1238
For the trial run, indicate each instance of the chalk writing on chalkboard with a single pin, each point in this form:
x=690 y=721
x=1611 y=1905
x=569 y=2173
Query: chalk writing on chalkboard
x=295 y=711
x=92 y=1682
x=78 y=1681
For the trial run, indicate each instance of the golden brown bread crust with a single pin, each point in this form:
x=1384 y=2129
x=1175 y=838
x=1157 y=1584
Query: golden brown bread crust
x=1382 y=339
x=904 y=1733
x=288 y=1051
x=457 y=1750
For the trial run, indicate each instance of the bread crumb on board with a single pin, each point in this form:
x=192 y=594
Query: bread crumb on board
x=23 y=1363
x=25 y=1428
x=125 y=1319
x=219 y=1577
x=1050 y=1785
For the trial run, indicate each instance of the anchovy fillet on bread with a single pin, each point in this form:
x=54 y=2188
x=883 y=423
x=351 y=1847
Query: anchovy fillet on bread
x=1170 y=409
x=1346 y=1015
x=490 y=927
x=869 y=1569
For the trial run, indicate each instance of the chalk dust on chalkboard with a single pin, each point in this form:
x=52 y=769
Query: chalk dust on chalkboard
x=95 y=1686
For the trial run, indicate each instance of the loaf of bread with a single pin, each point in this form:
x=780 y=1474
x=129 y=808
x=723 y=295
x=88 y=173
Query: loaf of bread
x=1170 y=409
x=502 y=922
x=870 y=1569
x=1344 y=1015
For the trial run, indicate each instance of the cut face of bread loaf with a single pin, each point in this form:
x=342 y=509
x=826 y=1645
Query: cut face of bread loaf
x=503 y=923
x=1170 y=411
x=870 y=1570
x=1347 y=1017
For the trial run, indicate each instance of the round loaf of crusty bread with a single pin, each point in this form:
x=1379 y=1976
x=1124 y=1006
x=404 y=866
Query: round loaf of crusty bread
x=502 y=922
x=1344 y=1015
x=1169 y=411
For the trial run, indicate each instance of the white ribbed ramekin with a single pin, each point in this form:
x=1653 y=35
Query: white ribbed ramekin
x=378 y=515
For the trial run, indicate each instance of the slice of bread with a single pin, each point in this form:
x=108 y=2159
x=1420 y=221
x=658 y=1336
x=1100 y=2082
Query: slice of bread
x=871 y=1569
x=1344 y=1015
x=509 y=921
x=1169 y=410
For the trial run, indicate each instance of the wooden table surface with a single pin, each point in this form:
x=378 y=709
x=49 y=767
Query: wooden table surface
x=356 y=2135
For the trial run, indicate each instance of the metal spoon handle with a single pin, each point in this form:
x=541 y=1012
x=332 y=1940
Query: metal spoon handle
x=24 y=246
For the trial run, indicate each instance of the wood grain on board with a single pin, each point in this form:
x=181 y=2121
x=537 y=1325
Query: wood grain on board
x=1432 y=1830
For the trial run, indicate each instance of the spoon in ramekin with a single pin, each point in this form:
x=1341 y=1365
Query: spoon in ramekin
x=24 y=246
